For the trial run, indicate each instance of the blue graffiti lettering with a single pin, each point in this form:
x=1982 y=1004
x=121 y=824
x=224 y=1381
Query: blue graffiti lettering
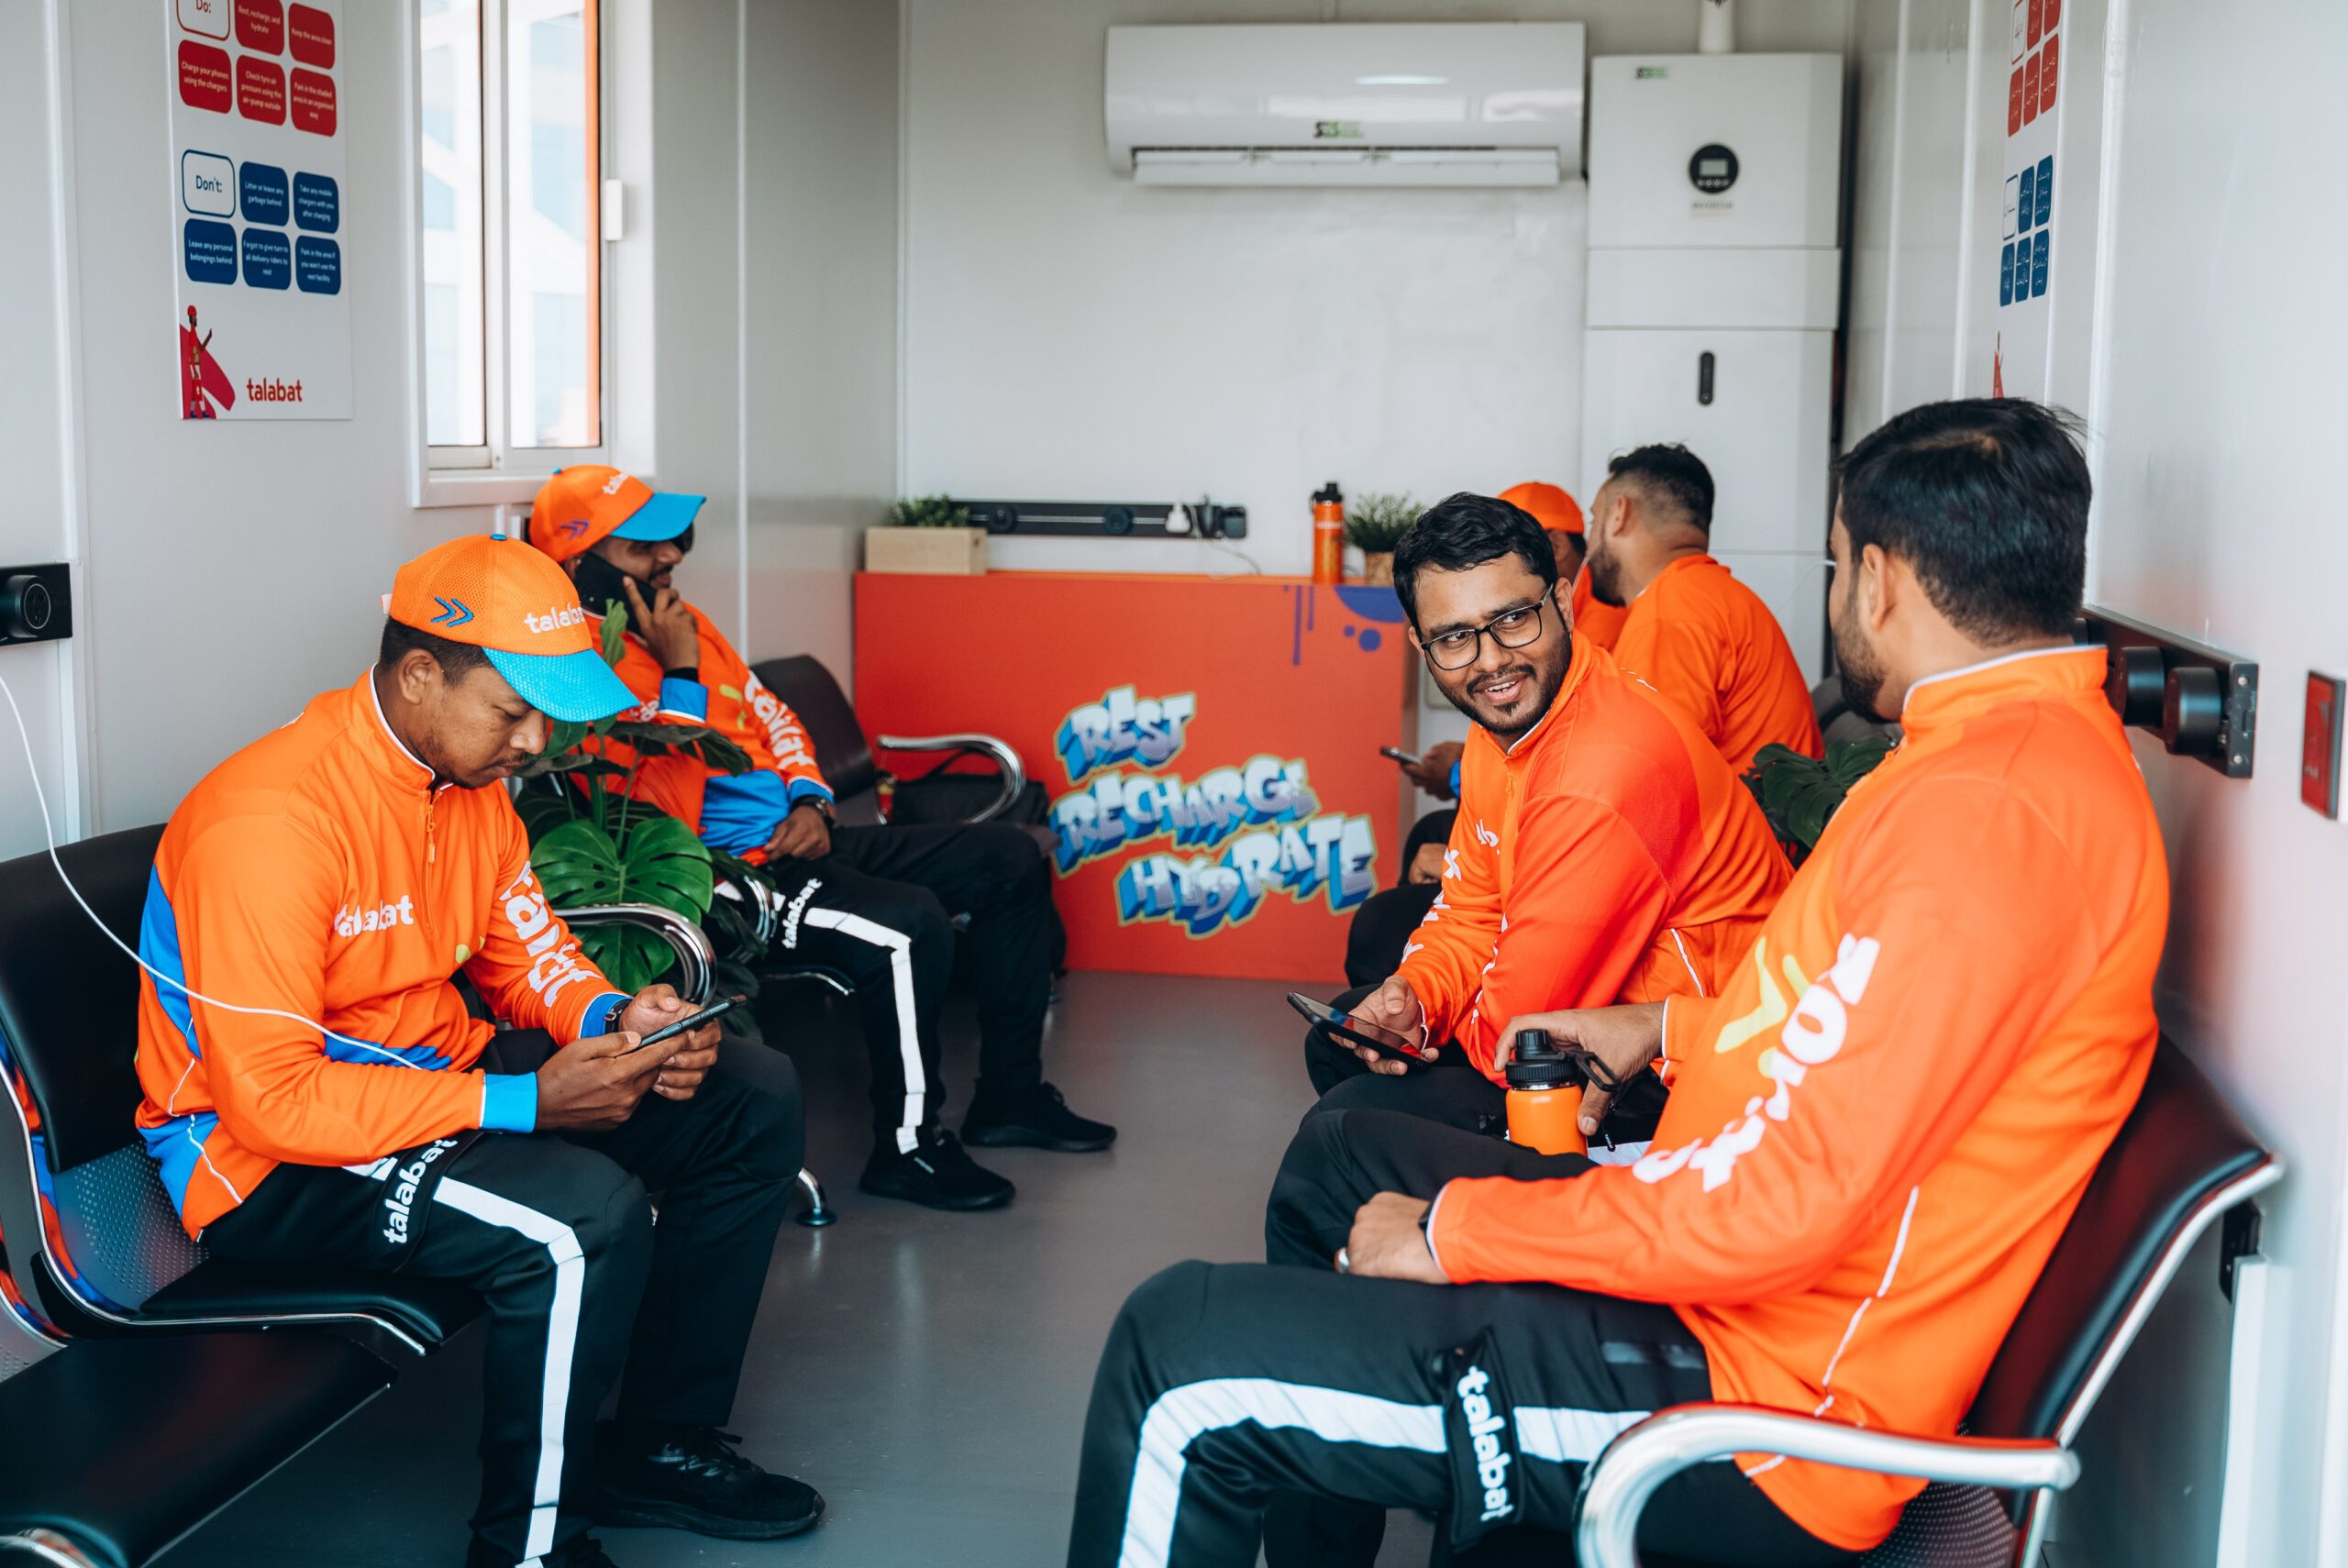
x=1330 y=855
x=1117 y=809
x=1122 y=728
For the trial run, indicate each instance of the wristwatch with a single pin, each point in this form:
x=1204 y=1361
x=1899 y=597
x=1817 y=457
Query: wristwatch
x=612 y=1015
x=823 y=807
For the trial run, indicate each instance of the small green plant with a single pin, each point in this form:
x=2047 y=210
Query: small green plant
x=595 y=845
x=929 y=512
x=1375 y=521
x=1800 y=794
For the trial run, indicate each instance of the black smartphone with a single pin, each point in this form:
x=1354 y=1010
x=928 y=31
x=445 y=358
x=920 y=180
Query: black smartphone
x=1399 y=755
x=1356 y=1031
x=601 y=585
x=692 y=1021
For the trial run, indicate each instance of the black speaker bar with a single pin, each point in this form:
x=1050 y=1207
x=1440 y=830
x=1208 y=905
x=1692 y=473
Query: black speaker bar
x=1109 y=519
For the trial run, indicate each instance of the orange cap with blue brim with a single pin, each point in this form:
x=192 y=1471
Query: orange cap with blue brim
x=585 y=504
x=520 y=610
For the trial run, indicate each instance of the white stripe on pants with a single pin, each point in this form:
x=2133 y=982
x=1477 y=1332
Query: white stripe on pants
x=562 y=1334
x=901 y=974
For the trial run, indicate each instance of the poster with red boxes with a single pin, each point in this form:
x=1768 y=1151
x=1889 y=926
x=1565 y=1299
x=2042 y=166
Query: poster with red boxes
x=2026 y=246
x=263 y=324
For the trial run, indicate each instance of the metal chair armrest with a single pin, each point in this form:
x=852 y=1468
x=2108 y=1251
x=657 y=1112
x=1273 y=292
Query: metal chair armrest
x=1011 y=773
x=1616 y=1487
x=696 y=959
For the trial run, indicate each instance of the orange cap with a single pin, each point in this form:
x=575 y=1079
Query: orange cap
x=518 y=607
x=586 y=502
x=1550 y=507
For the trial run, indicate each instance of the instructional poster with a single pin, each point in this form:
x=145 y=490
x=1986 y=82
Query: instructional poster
x=263 y=324
x=2019 y=366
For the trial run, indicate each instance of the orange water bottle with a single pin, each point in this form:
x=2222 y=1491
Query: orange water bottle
x=1328 y=533
x=1543 y=1103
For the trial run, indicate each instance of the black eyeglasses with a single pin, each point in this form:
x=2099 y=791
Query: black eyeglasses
x=1510 y=629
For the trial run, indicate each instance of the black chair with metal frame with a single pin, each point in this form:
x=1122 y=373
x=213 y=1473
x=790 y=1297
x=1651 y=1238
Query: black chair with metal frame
x=194 y=1420
x=2180 y=1163
x=102 y=1250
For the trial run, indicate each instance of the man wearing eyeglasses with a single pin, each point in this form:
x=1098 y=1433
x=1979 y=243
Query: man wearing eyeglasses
x=1604 y=850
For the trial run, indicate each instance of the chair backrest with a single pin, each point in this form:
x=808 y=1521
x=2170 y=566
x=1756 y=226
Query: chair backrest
x=2180 y=1161
x=841 y=750
x=69 y=1036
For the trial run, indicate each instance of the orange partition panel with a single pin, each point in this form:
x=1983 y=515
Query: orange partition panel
x=1209 y=746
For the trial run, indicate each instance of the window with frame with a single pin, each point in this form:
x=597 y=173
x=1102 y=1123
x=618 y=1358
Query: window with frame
x=510 y=179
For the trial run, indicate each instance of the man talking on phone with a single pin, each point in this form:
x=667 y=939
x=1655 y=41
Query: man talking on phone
x=1603 y=852
x=879 y=903
x=317 y=1091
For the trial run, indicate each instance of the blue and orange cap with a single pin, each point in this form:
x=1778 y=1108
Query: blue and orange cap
x=587 y=502
x=520 y=610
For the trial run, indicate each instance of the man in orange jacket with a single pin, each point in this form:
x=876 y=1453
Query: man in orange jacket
x=1691 y=629
x=1877 y=1129
x=1602 y=851
x=316 y=1091
x=879 y=903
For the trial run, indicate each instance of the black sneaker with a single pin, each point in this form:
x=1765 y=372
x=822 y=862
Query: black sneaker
x=578 y=1552
x=936 y=1175
x=1036 y=1118
x=678 y=1477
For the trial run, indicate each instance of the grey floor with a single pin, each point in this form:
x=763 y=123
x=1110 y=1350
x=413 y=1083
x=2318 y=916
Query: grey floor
x=926 y=1372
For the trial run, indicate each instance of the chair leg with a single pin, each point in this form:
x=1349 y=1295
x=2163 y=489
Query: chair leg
x=818 y=1213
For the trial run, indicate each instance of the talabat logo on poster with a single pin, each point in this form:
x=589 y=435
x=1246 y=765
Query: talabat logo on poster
x=1259 y=814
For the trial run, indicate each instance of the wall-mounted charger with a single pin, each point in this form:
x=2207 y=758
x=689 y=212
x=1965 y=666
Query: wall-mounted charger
x=36 y=603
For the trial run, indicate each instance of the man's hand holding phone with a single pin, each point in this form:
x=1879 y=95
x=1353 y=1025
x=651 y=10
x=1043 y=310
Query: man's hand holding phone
x=666 y=624
x=595 y=1085
x=682 y=1070
x=1432 y=772
x=1394 y=1006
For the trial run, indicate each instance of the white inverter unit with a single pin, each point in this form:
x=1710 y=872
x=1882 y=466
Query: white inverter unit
x=1715 y=276
x=1345 y=103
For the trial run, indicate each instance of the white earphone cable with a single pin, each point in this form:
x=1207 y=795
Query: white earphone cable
x=49 y=832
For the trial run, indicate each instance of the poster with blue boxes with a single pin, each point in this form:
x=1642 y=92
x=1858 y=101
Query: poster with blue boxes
x=263 y=317
x=2026 y=248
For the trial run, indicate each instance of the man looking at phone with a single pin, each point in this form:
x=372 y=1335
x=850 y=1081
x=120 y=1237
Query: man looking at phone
x=1880 y=1125
x=874 y=902
x=317 y=1092
x=1603 y=851
x=1690 y=629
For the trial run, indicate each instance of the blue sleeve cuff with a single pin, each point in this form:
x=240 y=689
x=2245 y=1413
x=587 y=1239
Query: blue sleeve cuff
x=509 y=1102
x=807 y=789
x=590 y=1023
x=1455 y=781
x=684 y=700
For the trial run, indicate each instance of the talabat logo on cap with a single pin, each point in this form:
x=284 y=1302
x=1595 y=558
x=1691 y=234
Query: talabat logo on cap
x=587 y=502
x=518 y=607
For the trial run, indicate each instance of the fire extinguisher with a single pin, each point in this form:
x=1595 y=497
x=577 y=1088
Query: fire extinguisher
x=1328 y=533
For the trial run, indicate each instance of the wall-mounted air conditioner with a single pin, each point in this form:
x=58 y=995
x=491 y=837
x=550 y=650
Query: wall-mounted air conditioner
x=1343 y=103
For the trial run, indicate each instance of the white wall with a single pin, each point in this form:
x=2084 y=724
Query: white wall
x=38 y=439
x=1072 y=336
x=228 y=570
x=2197 y=322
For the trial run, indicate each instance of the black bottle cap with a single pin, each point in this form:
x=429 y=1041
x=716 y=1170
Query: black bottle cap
x=1534 y=1062
x=1328 y=492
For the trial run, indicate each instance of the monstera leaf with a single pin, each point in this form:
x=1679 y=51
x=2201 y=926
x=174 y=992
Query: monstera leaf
x=657 y=861
x=1800 y=794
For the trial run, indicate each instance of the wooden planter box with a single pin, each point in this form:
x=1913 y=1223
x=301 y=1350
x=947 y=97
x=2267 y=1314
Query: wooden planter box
x=950 y=552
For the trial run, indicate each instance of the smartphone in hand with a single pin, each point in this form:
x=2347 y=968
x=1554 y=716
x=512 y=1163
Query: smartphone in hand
x=692 y=1021
x=1399 y=755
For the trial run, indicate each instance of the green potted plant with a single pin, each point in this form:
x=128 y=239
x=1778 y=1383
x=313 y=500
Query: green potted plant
x=927 y=534
x=1375 y=522
x=591 y=843
x=1800 y=794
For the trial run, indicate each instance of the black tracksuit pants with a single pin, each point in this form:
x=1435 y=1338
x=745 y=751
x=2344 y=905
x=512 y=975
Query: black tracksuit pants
x=1292 y=1402
x=879 y=909
x=556 y=1231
